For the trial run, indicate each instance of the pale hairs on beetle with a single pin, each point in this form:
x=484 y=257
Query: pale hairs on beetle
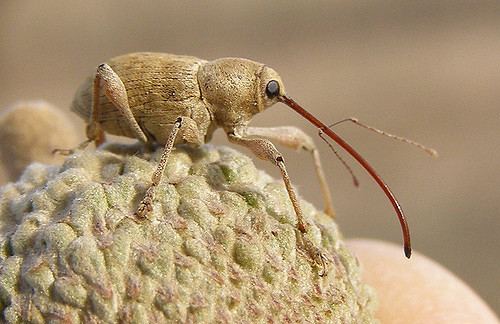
x=170 y=99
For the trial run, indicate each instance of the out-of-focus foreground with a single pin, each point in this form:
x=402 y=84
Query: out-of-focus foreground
x=428 y=70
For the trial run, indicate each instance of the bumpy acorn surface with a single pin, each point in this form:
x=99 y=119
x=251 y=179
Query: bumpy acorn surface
x=220 y=246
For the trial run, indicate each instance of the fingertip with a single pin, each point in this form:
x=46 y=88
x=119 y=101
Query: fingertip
x=419 y=290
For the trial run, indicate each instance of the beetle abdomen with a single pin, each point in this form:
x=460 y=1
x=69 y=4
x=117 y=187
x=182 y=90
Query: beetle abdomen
x=160 y=87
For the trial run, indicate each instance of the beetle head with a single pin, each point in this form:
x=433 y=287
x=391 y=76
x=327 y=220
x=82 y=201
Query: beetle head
x=237 y=89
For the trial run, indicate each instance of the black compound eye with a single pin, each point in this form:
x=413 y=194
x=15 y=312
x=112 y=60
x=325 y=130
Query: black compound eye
x=272 y=89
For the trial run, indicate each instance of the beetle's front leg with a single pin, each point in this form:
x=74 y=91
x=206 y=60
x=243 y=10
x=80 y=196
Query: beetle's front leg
x=266 y=150
x=295 y=138
x=189 y=132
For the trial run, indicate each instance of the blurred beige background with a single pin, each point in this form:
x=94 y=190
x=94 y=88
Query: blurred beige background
x=428 y=70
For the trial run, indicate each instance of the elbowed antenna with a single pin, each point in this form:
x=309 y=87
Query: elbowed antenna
x=323 y=128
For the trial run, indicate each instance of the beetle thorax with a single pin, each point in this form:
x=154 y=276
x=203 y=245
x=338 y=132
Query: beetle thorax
x=230 y=87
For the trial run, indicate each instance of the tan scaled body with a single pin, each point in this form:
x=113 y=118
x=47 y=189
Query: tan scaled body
x=158 y=89
x=169 y=99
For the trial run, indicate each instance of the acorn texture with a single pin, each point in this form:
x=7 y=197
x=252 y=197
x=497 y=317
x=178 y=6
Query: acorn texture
x=220 y=246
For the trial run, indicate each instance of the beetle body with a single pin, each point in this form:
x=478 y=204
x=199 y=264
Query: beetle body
x=170 y=99
x=161 y=87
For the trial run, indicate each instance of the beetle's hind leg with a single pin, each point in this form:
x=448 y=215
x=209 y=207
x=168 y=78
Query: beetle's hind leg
x=115 y=91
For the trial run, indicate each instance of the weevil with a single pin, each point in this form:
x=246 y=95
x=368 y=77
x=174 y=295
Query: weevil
x=170 y=99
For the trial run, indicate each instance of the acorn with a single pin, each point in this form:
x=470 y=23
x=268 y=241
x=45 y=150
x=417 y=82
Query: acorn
x=220 y=246
x=29 y=132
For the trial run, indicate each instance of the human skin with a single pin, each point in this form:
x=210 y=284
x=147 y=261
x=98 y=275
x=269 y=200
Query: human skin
x=418 y=290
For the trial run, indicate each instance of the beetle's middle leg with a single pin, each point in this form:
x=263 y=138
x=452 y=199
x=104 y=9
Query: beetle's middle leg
x=266 y=150
x=295 y=138
x=189 y=132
